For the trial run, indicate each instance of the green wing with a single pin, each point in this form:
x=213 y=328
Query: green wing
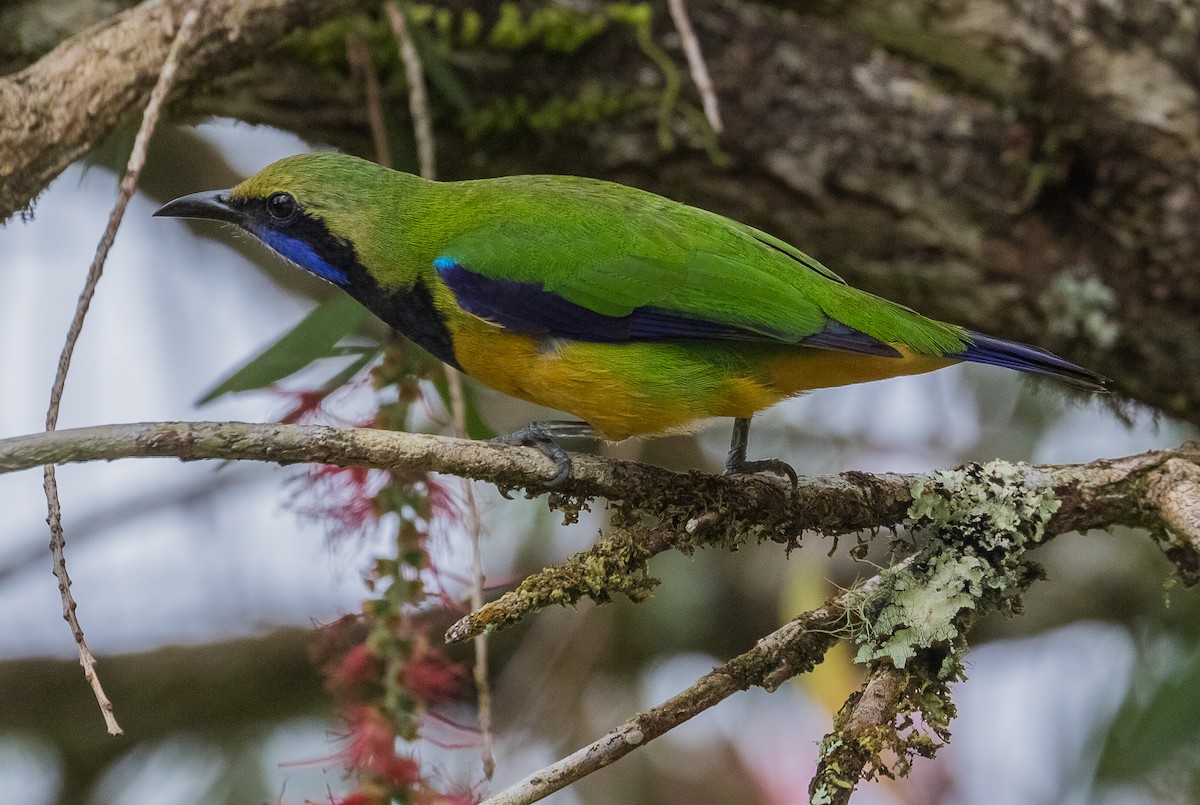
x=614 y=250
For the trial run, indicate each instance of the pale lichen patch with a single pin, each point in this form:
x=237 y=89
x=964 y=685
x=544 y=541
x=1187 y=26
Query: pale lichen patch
x=974 y=526
x=1079 y=305
x=977 y=523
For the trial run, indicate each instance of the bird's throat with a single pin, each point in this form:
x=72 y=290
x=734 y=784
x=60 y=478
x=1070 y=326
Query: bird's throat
x=409 y=309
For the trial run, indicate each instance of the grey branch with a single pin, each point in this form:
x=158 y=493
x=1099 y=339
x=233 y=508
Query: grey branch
x=794 y=648
x=849 y=750
x=60 y=107
x=1098 y=494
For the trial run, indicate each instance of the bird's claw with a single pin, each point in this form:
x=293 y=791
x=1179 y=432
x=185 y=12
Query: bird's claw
x=774 y=466
x=535 y=436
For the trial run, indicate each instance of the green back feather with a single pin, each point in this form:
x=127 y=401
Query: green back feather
x=604 y=246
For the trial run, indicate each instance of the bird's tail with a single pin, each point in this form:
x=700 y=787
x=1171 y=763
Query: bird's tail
x=1024 y=358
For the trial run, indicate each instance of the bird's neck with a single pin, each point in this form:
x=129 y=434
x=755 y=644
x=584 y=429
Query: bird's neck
x=394 y=277
x=409 y=309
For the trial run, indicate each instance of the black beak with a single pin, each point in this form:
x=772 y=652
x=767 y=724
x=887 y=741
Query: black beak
x=210 y=205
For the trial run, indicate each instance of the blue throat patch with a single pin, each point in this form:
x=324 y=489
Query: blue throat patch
x=303 y=255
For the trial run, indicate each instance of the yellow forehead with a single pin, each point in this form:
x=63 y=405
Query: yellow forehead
x=313 y=179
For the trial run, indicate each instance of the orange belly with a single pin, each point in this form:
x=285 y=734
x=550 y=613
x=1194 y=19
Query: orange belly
x=652 y=388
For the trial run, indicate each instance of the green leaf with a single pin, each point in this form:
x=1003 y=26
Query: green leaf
x=315 y=337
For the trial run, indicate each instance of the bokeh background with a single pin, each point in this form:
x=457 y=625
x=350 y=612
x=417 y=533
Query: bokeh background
x=199 y=585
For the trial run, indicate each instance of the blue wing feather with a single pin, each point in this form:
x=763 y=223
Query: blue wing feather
x=527 y=307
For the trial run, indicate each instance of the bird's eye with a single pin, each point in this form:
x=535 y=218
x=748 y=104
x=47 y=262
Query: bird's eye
x=282 y=206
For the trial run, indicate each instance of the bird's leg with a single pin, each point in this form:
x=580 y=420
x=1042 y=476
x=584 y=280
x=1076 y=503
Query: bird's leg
x=737 y=464
x=541 y=436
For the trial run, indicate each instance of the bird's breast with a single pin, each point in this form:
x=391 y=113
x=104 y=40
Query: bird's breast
x=622 y=390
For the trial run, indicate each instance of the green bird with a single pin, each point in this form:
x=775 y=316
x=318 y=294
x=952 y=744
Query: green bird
x=637 y=314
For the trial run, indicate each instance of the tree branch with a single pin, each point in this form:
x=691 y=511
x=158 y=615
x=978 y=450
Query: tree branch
x=1098 y=494
x=877 y=615
x=868 y=721
x=60 y=107
x=792 y=649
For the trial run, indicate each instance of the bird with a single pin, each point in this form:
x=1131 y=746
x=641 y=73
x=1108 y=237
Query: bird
x=634 y=313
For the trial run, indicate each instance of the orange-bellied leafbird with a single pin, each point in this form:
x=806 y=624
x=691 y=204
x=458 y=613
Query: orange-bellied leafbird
x=637 y=314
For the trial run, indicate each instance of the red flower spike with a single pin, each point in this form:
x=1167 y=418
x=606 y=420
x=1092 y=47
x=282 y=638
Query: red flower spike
x=343 y=497
x=443 y=502
x=372 y=750
x=357 y=669
x=306 y=407
x=431 y=676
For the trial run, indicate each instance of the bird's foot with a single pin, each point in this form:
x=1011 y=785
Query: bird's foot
x=774 y=466
x=737 y=464
x=541 y=435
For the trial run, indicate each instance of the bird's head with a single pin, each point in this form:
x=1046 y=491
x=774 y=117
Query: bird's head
x=311 y=208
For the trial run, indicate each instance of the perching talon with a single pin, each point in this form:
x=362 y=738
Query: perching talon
x=541 y=435
x=736 y=463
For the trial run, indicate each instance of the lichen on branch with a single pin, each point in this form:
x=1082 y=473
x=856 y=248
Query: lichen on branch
x=974 y=527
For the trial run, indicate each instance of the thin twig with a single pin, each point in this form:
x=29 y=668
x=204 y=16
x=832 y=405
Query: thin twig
x=137 y=159
x=483 y=685
x=362 y=66
x=795 y=648
x=418 y=105
x=418 y=99
x=695 y=58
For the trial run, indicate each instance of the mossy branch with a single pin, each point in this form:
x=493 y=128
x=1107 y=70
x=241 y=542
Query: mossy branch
x=974 y=525
x=60 y=107
x=692 y=508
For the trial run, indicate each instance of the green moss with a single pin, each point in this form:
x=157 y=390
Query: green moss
x=592 y=104
x=554 y=28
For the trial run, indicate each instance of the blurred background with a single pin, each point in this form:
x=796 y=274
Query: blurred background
x=199 y=585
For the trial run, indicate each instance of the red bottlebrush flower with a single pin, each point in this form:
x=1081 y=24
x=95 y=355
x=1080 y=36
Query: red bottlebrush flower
x=401 y=772
x=372 y=750
x=343 y=497
x=307 y=406
x=443 y=502
x=357 y=669
x=431 y=676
